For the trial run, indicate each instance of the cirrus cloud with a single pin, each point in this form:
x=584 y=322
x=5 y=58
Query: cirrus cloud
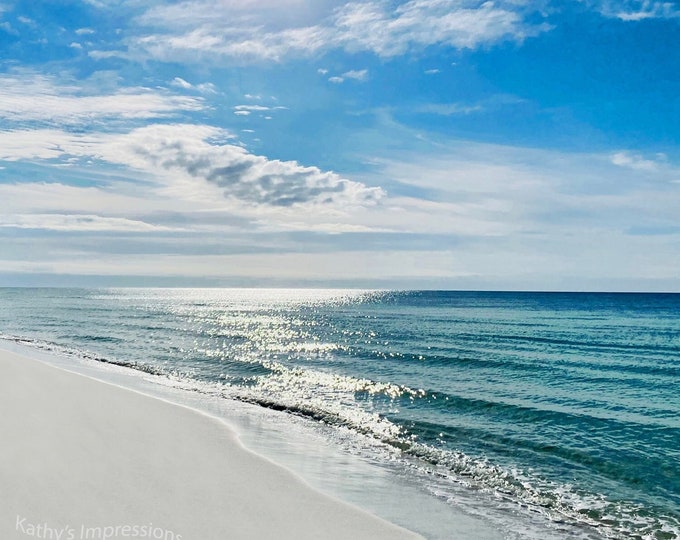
x=77 y=222
x=374 y=26
x=26 y=96
x=638 y=10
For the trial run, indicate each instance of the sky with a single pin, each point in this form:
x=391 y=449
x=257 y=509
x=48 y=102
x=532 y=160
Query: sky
x=451 y=144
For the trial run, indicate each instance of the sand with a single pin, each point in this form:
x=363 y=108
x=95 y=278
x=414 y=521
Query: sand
x=80 y=458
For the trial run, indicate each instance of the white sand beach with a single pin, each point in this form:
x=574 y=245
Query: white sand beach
x=80 y=458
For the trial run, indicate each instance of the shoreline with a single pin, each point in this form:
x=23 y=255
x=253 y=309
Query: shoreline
x=86 y=457
x=468 y=428
x=349 y=471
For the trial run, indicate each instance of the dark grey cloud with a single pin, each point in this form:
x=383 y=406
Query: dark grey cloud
x=255 y=179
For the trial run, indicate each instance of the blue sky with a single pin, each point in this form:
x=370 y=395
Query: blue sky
x=424 y=143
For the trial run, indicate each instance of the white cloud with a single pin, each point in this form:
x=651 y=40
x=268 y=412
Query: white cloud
x=336 y=80
x=492 y=190
x=633 y=264
x=7 y=27
x=28 y=96
x=187 y=166
x=204 y=88
x=375 y=26
x=357 y=75
x=239 y=175
x=345 y=266
x=252 y=108
x=181 y=83
x=638 y=10
x=103 y=55
x=100 y=4
x=85 y=31
x=541 y=212
x=192 y=13
x=450 y=109
x=468 y=190
x=240 y=42
x=33 y=144
x=78 y=222
x=116 y=206
x=245 y=110
x=637 y=162
x=487 y=104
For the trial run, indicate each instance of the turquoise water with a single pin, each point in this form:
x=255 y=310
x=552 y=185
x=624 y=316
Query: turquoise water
x=565 y=404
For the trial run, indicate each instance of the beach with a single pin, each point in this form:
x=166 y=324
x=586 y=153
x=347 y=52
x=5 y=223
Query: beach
x=85 y=459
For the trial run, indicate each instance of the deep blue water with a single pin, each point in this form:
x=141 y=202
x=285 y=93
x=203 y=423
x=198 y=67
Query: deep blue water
x=567 y=403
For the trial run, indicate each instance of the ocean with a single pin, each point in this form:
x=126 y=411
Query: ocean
x=528 y=410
